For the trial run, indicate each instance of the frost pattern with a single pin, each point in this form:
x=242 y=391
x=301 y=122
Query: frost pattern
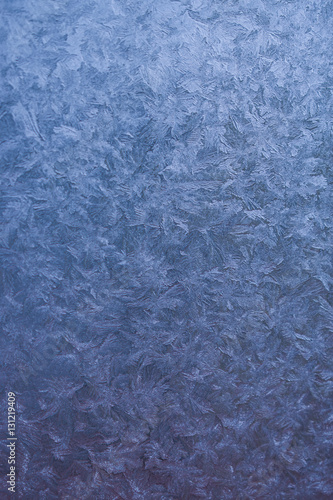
x=166 y=250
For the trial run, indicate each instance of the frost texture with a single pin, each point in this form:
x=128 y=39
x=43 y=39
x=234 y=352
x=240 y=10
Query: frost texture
x=166 y=275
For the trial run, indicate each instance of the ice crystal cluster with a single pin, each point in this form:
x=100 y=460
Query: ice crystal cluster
x=166 y=206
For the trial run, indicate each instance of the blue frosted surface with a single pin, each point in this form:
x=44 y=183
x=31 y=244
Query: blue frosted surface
x=166 y=287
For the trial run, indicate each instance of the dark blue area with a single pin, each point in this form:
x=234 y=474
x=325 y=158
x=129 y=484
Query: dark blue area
x=166 y=283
